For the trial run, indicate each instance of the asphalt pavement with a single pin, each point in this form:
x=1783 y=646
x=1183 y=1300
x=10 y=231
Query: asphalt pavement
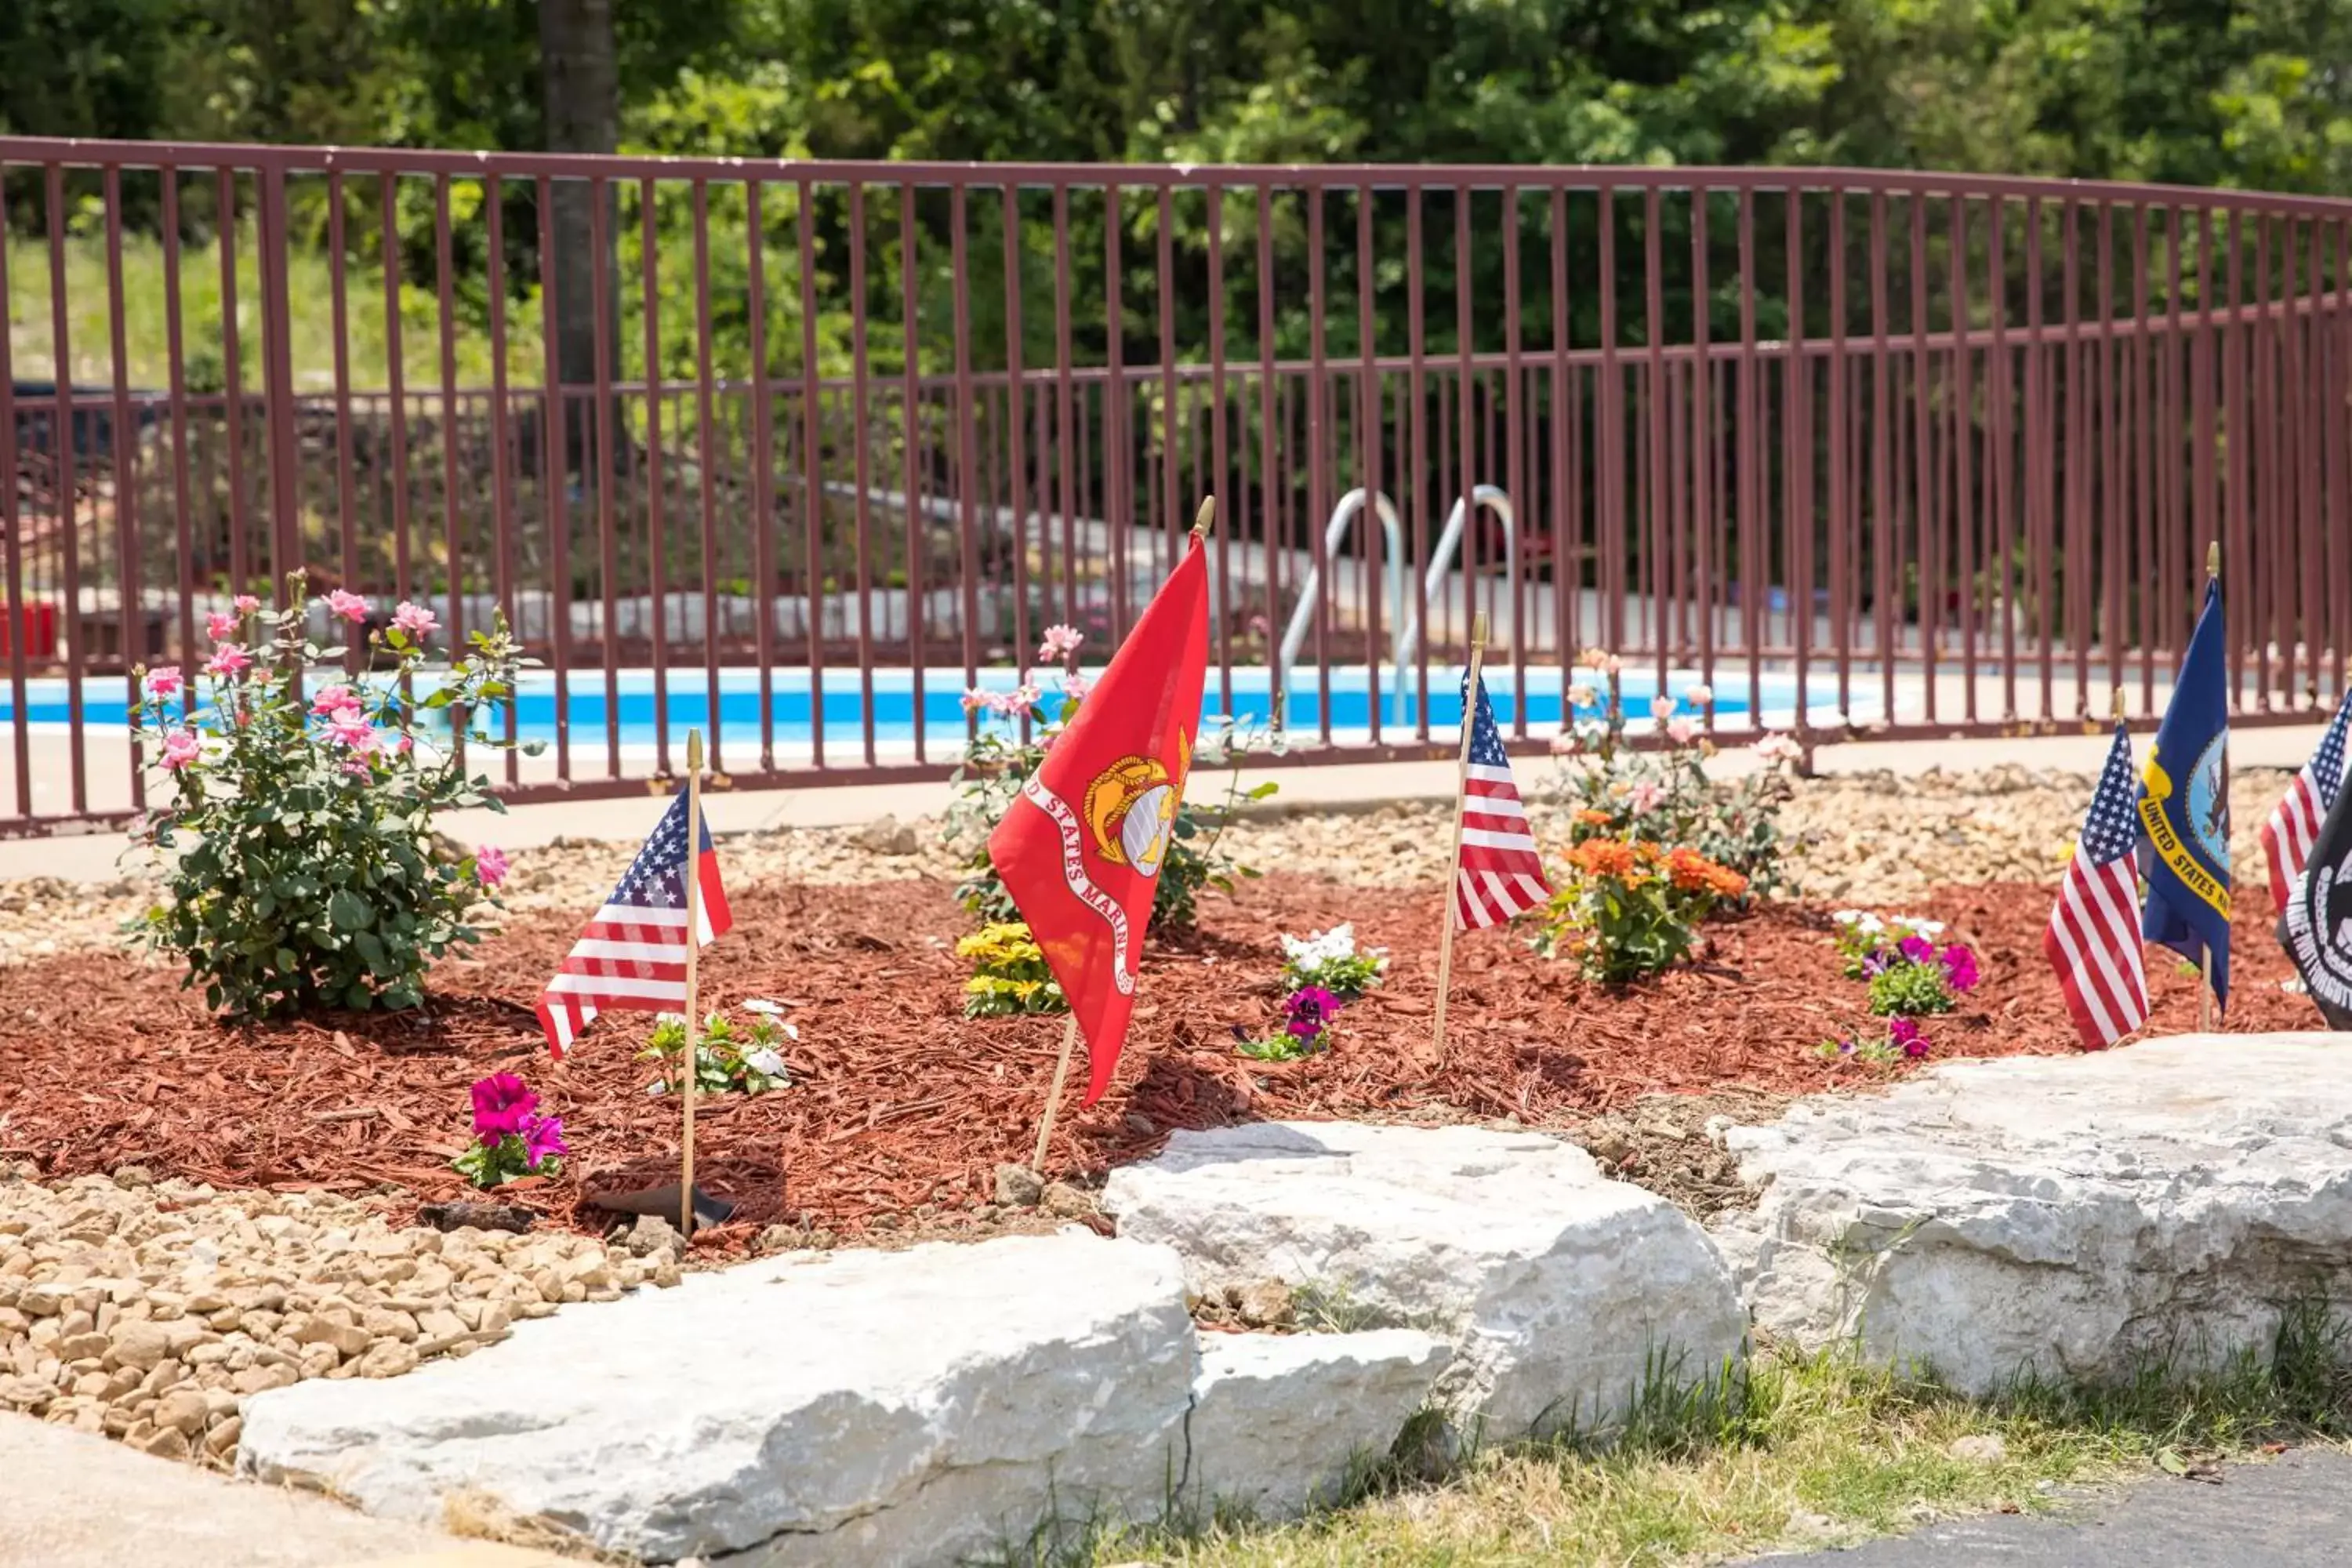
x=2294 y=1511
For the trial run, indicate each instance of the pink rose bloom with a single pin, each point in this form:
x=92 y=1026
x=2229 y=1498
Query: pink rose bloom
x=349 y=605
x=490 y=865
x=975 y=698
x=1646 y=798
x=1076 y=687
x=331 y=697
x=163 y=681
x=221 y=625
x=1565 y=743
x=246 y=603
x=415 y=620
x=1699 y=696
x=1060 y=642
x=179 y=748
x=1662 y=706
x=228 y=660
x=1581 y=696
x=1682 y=732
x=1775 y=747
x=357 y=766
x=349 y=727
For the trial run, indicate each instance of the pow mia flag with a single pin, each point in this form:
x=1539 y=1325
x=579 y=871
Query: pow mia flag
x=2317 y=925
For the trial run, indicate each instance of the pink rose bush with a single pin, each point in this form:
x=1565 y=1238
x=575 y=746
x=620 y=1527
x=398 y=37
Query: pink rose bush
x=301 y=798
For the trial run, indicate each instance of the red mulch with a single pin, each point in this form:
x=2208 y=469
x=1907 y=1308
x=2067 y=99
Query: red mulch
x=900 y=1101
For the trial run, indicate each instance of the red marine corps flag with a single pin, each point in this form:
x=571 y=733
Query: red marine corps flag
x=1080 y=849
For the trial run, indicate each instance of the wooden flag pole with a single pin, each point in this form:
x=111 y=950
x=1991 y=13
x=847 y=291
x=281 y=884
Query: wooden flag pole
x=1461 y=799
x=1054 y=1095
x=693 y=950
x=2205 y=982
x=1202 y=520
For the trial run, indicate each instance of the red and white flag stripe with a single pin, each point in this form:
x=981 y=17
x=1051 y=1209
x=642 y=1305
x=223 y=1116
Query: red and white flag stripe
x=2094 y=939
x=1500 y=873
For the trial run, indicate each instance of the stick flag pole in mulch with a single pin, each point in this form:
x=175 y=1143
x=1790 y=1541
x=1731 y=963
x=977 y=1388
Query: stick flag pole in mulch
x=1497 y=870
x=639 y=952
x=1080 y=848
x=1461 y=798
x=693 y=986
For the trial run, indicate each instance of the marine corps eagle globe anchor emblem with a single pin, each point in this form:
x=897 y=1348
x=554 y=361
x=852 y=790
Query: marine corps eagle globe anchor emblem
x=1131 y=808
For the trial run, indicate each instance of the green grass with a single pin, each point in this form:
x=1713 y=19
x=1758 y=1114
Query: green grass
x=310 y=299
x=1802 y=1450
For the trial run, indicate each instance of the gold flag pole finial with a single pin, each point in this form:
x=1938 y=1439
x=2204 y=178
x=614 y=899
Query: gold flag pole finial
x=1478 y=629
x=2213 y=559
x=2119 y=704
x=1206 y=518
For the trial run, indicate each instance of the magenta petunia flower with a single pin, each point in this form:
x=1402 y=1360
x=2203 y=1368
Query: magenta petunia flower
x=1904 y=1034
x=1916 y=948
x=502 y=1105
x=542 y=1140
x=1960 y=969
x=1310 y=1011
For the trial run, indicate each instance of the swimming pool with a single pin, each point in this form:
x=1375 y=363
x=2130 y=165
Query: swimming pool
x=796 y=714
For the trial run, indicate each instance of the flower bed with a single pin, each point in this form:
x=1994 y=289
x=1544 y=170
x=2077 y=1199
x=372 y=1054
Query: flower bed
x=898 y=1106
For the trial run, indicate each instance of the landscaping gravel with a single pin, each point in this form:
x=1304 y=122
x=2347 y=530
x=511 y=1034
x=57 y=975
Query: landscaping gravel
x=148 y=1312
x=1865 y=839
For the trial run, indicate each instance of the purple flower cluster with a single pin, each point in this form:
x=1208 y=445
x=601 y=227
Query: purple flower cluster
x=504 y=1108
x=1307 y=1014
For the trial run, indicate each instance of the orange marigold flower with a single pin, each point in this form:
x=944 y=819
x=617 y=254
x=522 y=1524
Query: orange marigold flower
x=1602 y=858
x=1590 y=817
x=1692 y=872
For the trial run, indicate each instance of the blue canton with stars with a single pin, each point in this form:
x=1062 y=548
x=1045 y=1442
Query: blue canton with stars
x=656 y=877
x=2327 y=763
x=1485 y=740
x=2113 y=826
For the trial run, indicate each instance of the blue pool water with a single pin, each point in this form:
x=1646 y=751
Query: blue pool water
x=895 y=704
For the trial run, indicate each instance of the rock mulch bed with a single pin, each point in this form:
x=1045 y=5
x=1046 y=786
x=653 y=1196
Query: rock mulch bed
x=901 y=1109
x=149 y=1311
x=1859 y=838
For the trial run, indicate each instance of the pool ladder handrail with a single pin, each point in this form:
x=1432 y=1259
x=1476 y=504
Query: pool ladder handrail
x=1441 y=561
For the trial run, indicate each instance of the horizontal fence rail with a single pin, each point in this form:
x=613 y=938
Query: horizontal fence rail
x=798 y=453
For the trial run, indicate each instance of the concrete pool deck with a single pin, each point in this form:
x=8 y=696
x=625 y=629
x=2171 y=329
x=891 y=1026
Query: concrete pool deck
x=1340 y=786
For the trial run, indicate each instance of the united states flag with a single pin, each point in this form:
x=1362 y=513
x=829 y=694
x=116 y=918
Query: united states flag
x=2094 y=939
x=633 y=955
x=2295 y=823
x=1500 y=874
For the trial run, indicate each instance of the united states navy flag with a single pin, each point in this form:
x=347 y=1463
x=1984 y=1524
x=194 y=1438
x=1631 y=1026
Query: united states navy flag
x=2184 y=807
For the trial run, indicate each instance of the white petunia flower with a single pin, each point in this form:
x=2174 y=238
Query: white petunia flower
x=766 y=1063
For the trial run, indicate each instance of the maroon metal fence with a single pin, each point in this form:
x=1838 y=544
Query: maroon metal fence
x=1872 y=453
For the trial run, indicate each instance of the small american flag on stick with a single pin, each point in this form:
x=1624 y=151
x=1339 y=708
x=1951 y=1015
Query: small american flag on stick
x=2295 y=822
x=2094 y=940
x=1499 y=874
x=633 y=954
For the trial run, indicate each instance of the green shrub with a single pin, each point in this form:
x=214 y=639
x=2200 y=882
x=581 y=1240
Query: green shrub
x=307 y=872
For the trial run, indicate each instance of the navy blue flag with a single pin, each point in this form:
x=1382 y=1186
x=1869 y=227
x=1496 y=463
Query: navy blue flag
x=2184 y=807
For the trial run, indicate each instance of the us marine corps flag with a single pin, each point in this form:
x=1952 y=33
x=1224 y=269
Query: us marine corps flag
x=2317 y=925
x=1080 y=849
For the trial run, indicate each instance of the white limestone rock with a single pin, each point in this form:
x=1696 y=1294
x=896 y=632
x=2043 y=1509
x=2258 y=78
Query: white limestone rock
x=1280 y=1422
x=913 y=1407
x=2067 y=1214
x=1560 y=1289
